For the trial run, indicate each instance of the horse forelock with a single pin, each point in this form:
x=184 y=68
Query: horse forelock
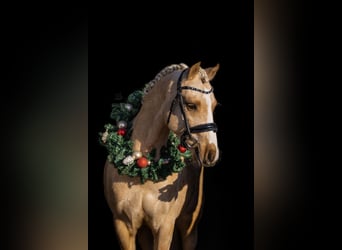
x=165 y=71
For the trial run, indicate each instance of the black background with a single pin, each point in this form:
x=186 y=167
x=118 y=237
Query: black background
x=128 y=46
x=128 y=51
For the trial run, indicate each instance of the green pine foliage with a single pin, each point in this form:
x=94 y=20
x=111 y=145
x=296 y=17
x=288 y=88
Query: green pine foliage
x=119 y=147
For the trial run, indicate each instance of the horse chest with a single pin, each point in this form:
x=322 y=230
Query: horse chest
x=149 y=201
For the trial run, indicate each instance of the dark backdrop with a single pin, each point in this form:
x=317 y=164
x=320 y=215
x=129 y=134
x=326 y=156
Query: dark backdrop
x=128 y=51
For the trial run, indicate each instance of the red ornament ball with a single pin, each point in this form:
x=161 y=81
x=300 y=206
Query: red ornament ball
x=142 y=162
x=121 y=131
x=181 y=148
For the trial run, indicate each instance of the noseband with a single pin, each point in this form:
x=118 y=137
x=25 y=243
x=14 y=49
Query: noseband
x=186 y=138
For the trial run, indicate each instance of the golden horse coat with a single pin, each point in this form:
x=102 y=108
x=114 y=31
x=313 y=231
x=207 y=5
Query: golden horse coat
x=164 y=214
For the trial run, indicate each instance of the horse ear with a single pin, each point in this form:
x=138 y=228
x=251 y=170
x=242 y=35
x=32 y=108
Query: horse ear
x=194 y=70
x=211 y=72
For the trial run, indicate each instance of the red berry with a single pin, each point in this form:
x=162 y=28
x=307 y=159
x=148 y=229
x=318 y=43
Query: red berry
x=181 y=148
x=142 y=162
x=121 y=131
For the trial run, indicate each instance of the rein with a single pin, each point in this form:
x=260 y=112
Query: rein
x=186 y=138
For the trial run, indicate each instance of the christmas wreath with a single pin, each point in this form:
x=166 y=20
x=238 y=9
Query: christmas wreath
x=116 y=139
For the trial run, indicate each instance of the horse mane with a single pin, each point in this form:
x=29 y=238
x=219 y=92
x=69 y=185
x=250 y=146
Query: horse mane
x=165 y=71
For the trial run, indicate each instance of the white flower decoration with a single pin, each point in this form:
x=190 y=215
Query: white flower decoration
x=128 y=160
x=104 y=137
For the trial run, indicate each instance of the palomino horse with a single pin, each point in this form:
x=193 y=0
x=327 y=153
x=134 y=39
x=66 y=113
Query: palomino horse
x=164 y=213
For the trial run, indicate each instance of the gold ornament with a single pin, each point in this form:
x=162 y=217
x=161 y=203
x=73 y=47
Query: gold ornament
x=137 y=154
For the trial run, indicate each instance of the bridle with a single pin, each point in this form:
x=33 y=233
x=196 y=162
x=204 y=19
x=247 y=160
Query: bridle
x=187 y=139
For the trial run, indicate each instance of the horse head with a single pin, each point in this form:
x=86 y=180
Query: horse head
x=191 y=112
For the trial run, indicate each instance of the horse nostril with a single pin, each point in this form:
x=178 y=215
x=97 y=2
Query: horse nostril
x=211 y=154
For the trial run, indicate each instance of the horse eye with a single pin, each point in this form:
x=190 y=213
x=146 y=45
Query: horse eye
x=190 y=106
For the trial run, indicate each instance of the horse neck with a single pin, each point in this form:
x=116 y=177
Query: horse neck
x=150 y=130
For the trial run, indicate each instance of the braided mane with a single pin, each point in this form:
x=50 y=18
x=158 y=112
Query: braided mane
x=165 y=71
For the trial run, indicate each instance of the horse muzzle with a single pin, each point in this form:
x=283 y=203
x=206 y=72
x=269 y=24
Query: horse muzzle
x=207 y=153
x=210 y=155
